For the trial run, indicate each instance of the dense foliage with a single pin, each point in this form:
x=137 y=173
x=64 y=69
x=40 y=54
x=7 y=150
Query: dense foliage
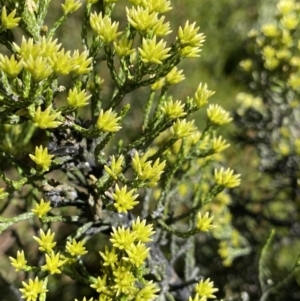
x=112 y=188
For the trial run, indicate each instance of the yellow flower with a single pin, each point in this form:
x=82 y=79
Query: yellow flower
x=227 y=178
x=206 y=288
x=20 y=262
x=286 y=6
x=115 y=167
x=70 y=6
x=202 y=94
x=101 y=285
x=42 y=158
x=42 y=208
x=78 y=99
x=146 y=171
x=53 y=263
x=190 y=52
x=161 y=29
x=182 y=128
x=38 y=67
x=219 y=144
x=152 y=52
x=124 y=200
x=172 y=109
x=109 y=257
x=141 y=19
x=142 y=231
x=124 y=281
x=103 y=26
x=148 y=292
x=204 y=223
x=270 y=30
x=246 y=65
x=175 y=76
x=11 y=66
x=46 y=243
x=123 y=47
x=45 y=119
x=61 y=62
x=81 y=62
x=136 y=254
x=108 y=121
x=158 y=85
x=218 y=115
x=290 y=21
x=189 y=36
x=122 y=238
x=9 y=21
x=75 y=248
x=32 y=289
x=160 y=6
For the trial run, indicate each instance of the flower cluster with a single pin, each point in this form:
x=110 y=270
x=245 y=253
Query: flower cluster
x=125 y=261
x=109 y=179
x=146 y=171
x=54 y=261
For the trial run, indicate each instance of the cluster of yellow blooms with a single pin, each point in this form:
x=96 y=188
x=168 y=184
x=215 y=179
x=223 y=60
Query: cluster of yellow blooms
x=123 y=264
x=40 y=60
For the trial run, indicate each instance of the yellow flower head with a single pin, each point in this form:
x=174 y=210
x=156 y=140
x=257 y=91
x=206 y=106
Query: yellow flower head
x=71 y=6
x=9 y=21
x=145 y=170
x=108 y=121
x=41 y=158
x=182 y=128
x=160 y=6
x=218 y=115
x=78 y=99
x=175 y=76
x=10 y=66
x=142 y=231
x=189 y=36
x=124 y=47
x=115 y=167
x=124 y=200
x=202 y=94
x=46 y=243
x=42 y=208
x=75 y=248
x=141 y=19
x=148 y=292
x=46 y=119
x=172 y=109
x=206 y=288
x=103 y=26
x=122 y=238
x=32 y=289
x=227 y=178
x=204 y=223
x=136 y=254
x=53 y=263
x=20 y=262
x=152 y=52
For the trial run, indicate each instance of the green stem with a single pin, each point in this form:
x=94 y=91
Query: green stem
x=56 y=25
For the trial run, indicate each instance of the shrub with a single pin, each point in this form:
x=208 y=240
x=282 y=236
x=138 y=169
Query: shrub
x=88 y=180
